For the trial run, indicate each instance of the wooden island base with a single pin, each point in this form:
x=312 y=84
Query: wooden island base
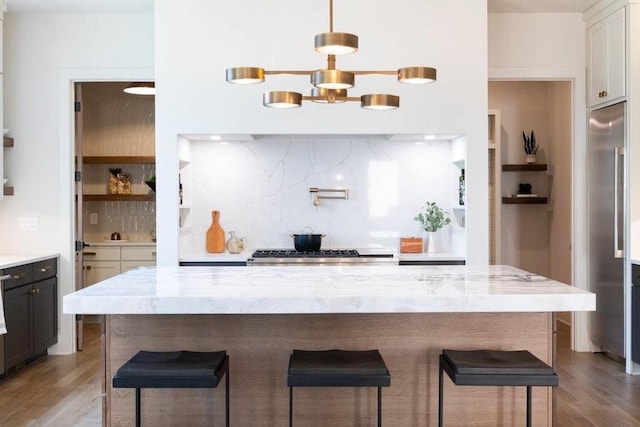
x=259 y=347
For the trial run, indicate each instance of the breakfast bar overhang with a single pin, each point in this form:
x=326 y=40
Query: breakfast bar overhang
x=260 y=314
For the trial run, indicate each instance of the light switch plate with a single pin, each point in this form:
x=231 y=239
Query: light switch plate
x=93 y=218
x=28 y=223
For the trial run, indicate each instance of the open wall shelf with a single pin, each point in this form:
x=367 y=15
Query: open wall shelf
x=119 y=197
x=533 y=167
x=524 y=200
x=107 y=160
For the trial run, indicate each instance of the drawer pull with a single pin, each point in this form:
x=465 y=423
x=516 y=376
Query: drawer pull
x=88 y=267
x=45 y=269
x=5 y=277
x=153 y=253
x=19 y=276
x=89 y=253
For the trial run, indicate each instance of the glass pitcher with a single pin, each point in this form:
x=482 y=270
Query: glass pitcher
x=235 y=245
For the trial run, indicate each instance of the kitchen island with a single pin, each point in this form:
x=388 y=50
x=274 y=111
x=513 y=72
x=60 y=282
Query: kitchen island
x=259 y=314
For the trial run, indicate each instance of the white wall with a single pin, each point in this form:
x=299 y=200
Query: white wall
x=39 y=50
x=197 y=41
x=551 y=47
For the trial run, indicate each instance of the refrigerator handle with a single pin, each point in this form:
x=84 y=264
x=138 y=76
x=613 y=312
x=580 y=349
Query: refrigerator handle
x=618 y=250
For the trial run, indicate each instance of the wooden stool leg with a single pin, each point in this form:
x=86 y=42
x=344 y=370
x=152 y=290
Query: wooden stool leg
x=440 y=393
x=528 y=406
x=138 y=423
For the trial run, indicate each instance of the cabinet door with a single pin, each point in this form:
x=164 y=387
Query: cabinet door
x=606 y=41
x=635 y=324
x=18 y=312
x=97 y=271
x=45 y=315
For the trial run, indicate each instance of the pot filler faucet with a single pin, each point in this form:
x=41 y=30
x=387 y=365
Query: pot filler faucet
x=333 y=193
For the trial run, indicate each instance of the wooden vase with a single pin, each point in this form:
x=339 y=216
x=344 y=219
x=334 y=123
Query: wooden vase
x=215 y=234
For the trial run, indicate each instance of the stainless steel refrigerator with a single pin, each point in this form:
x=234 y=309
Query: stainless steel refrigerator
x=606 y=202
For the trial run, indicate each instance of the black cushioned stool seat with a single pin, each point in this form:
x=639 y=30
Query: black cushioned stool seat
x=494 y=368
x=337 y=368
x=174 y=369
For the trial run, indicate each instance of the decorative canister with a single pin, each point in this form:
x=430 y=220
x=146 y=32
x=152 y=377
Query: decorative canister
x=112 y=186
x=124 y=183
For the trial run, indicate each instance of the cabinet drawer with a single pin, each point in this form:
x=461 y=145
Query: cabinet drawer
x=20 y=275
x=635 y=274
x=45 y=269
x=102 y=253
x=141 y=253
x=130 y=265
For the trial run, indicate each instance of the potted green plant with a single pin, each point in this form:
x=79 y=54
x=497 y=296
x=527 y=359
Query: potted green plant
x=530 y=147
x=432 y=218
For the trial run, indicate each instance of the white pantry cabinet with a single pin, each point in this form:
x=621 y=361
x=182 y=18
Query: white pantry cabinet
x=606 y=51
x=103 y=262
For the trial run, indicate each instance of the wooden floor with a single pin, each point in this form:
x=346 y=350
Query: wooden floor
x=65 y=390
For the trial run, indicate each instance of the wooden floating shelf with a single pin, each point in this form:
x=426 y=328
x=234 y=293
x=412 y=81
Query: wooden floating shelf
x=8 y=191
x=524 y=200
x=533 y=167
x=118 y=197
x=107 y=160
x=7 y=142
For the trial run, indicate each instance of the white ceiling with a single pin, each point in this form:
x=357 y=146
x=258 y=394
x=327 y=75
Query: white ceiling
x=497 y=6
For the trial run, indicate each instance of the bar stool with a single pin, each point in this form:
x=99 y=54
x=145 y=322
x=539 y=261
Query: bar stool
x=337 y=368
x=174 y=369
x=494 y=368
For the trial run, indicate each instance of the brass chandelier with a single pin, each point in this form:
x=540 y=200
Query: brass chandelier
x=330 y=84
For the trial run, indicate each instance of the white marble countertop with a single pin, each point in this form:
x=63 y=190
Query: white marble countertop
x=122 y=243
x=326 y=289
x=14 y=260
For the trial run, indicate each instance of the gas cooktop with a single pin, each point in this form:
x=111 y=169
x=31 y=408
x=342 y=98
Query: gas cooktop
x=323 y=256
x=292 y=253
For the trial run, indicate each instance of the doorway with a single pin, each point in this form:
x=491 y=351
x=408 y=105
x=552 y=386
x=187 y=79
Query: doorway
x=536 y=236
x=115 y=205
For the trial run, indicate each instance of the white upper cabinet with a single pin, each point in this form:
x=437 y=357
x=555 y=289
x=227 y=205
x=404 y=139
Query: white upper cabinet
x=606 y=50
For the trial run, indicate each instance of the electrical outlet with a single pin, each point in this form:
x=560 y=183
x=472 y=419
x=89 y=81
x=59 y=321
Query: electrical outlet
x=93 y=218
x=28 y=223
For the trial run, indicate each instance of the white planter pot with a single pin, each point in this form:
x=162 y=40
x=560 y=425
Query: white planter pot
x=530 y=158
x=435 y=242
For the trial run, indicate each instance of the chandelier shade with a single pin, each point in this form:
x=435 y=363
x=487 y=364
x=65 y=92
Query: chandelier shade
x=416 y=75
x=333 y=79
x=282 y=99
x=326 y=96
x=336 y=43
x=330 y=84
x=380 y=101
x=245 y=75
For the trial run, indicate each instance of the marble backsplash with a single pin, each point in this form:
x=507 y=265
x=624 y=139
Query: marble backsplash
x=262 y=188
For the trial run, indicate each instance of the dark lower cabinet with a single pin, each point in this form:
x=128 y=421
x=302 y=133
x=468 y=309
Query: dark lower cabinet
x=31 y=313
x=635 y=313
x=635 y=323
x=18 y=312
